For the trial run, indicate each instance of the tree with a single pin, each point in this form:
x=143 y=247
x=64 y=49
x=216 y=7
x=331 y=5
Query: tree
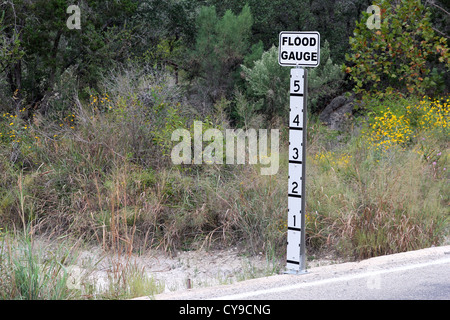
x=165 y=30
x=399 y=56
x=335 y=19
x=11 y=52
x=221 y=45
x=49 y=47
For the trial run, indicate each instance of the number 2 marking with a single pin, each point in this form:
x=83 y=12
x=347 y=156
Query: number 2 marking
x=294 y=190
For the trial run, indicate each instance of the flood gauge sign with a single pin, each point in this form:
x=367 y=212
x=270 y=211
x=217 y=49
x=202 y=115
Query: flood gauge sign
x=299 y=49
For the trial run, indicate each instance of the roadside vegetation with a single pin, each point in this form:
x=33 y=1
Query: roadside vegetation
x=85 y=140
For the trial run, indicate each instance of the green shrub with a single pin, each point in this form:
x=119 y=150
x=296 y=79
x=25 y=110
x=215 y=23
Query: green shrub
x=268 y=83
x=397 y=56
x=32 y=273
x=324 y=82
x=382 y=192
x=399 y=121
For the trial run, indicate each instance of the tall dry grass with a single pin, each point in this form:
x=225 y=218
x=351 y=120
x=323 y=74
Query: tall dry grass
x=105 y=178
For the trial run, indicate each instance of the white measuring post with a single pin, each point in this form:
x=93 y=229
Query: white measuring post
x=299 y=49
x=296 y=177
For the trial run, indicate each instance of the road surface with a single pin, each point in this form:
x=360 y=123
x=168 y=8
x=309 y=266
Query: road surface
x=422 y=274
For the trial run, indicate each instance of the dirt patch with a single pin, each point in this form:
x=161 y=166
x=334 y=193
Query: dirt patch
x=188 y=269
x=185 y=270
x=91 y=266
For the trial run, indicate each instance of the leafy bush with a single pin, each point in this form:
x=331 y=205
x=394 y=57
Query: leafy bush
x=398 y=56
x=143 y=109
x=268 y=82
x=362 y=204
x=401 y=121
x=324 y=82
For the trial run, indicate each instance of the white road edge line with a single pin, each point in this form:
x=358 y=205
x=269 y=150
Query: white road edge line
x=331 y=280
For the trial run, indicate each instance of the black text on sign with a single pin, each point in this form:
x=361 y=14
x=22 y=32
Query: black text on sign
x=300 y=49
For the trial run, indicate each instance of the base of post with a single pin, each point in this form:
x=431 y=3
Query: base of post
x=295 y=272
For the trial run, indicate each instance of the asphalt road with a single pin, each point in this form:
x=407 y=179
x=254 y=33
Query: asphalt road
x=421 y=275
x=425 y=281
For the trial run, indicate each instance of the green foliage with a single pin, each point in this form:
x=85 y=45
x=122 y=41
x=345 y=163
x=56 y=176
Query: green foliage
x=39 y=39
x=166 y=30
x=396 y=57
x=377 y=194
x=144 y=111
x=220 y=47
x=10 y=46
x=324 y=82
x=246 y=111
x=399 y=122
x=30 y=273
x=268 y=82
x=334 y=20
x=256 y=52
x=173 y=120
